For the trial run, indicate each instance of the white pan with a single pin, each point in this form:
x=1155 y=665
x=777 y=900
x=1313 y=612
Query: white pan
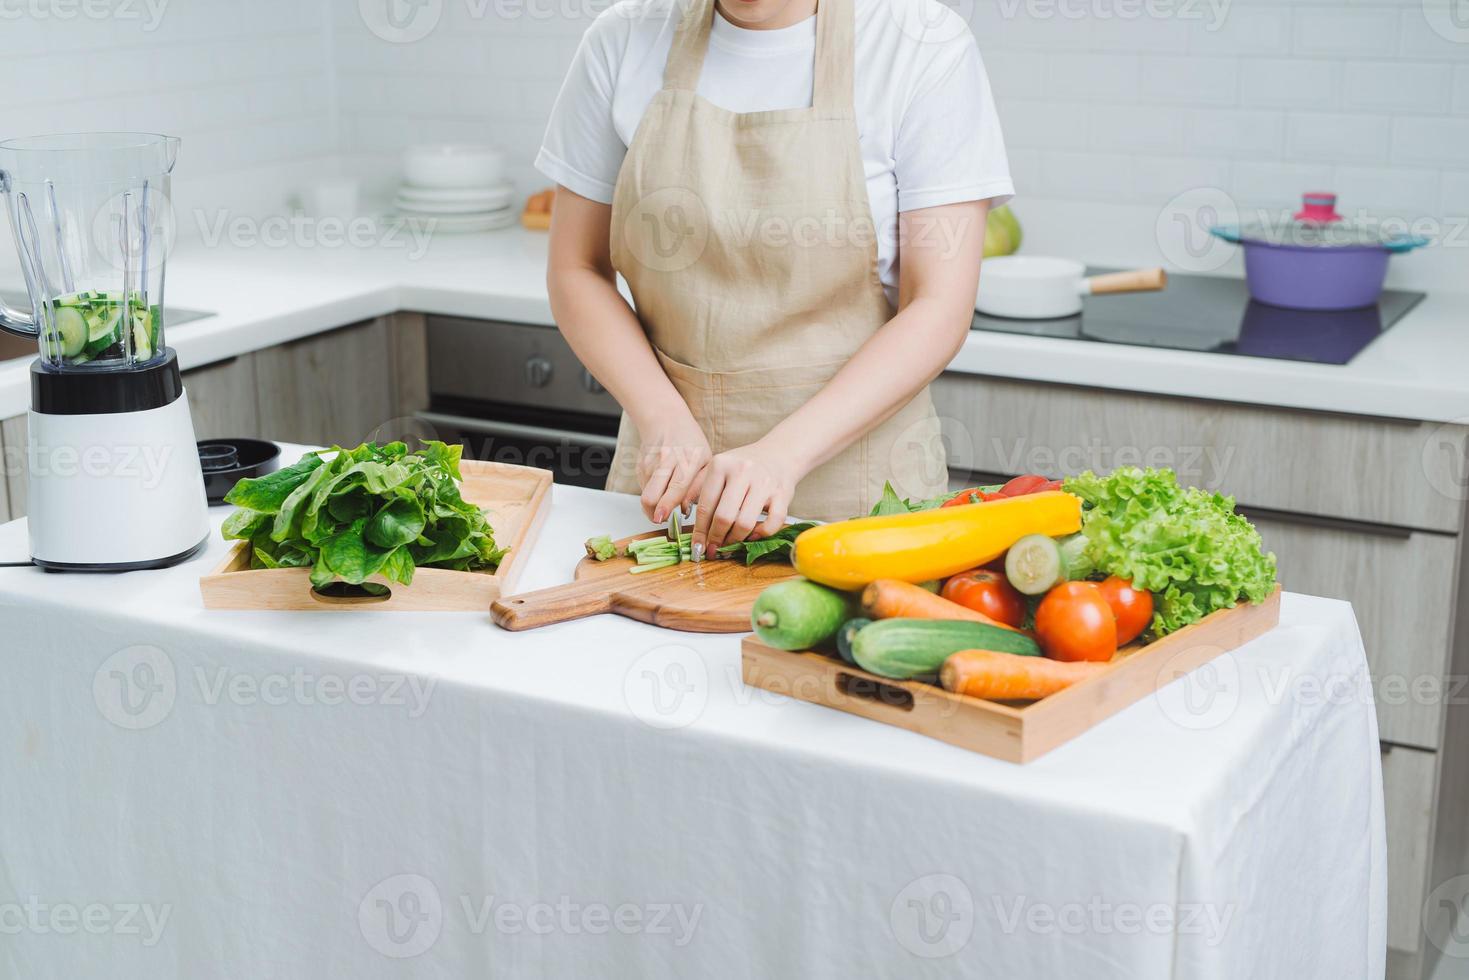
x=1030 y=287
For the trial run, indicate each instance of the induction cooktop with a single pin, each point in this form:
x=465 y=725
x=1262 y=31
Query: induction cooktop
x=1215 y=315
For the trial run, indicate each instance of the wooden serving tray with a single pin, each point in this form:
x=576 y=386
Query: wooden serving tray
x=713 y=596
x=516 y=498
x=1012 y=731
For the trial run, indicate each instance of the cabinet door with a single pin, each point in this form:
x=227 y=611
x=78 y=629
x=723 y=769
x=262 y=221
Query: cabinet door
x=1401 y=587
x=1407 y=786
x=13 y=478
x=222 y=399
x=330 y=388
x=1400 y=473
x=11 y=458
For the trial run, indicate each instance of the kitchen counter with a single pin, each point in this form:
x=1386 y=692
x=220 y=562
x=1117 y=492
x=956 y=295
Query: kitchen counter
x=263 y=296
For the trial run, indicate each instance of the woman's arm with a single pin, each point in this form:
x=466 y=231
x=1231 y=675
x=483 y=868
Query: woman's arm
x=939 y=253
x=606 y=335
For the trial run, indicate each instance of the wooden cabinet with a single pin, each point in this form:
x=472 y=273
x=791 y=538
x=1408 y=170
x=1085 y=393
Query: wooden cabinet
x=1401 y=586
x=222 y=399
x=13 y=479
x=1408 y=787
x=11 y=460
x=333 y=388
x=1364 y=469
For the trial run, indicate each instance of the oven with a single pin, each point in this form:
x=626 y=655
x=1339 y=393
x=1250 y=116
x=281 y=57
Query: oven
x=515 y=393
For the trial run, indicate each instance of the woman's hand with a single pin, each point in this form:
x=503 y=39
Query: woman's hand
x=742 y=494
x=670 y=459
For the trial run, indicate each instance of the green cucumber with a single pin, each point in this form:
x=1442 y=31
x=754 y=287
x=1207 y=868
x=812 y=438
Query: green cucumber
x=798 y=614
x=1034 y=565
x=847 y=634
x=70 y=330
x=907 y=648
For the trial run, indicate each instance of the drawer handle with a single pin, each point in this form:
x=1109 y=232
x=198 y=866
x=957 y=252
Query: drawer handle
x=1327 y=523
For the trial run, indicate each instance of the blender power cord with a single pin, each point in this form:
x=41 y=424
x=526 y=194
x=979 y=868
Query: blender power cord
x=16 y=564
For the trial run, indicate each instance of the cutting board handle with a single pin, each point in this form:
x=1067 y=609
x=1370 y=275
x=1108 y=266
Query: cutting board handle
x=558 y=604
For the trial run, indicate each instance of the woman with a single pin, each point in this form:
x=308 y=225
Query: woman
x=796 y=197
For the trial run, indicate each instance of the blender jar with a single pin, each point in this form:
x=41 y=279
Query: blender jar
x=92 y=222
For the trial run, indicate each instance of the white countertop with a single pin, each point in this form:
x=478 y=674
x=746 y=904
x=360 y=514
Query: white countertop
x=262 y=296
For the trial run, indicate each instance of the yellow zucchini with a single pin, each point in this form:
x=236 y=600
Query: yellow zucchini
x=929 y=544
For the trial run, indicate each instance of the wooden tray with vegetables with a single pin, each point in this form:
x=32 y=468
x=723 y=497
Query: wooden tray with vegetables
x=380 y=528
x=1042 y=611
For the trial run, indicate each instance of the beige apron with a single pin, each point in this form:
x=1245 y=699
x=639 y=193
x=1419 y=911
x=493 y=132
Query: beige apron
x=748 y=242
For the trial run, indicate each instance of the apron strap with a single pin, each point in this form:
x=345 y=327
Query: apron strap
x=835 y=52
x=690 y=41
x=836 y=49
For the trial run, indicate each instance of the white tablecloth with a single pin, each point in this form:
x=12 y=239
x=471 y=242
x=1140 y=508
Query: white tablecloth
x=195 y=795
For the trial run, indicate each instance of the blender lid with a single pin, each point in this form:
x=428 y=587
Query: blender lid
x=1317 y=225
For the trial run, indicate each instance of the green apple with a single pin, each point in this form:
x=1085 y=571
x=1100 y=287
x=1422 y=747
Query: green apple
x=1001 y=232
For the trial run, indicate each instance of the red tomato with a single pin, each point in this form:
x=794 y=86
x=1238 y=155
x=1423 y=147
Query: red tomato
x=1048 y=486
x=1022 y=485
x=1132 y=607
x=974 y=495
x=987 y=592
x=1075 y=623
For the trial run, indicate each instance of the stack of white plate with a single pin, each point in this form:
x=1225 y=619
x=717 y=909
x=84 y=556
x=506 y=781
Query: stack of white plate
x=457 y=186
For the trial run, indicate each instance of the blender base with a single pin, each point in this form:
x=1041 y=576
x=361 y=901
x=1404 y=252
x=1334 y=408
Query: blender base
x=113 y=490
x=126 y=566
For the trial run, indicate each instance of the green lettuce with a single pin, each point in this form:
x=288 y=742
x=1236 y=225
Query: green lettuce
x=350 y=514
x=1186 y=546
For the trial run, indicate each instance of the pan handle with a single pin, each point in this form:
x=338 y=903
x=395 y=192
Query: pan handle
x=1135 y=281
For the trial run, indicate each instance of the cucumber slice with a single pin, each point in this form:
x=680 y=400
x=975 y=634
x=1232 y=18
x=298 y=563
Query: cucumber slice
x=1034 y=565
x=71 y=331
x=142 y=336
x=103 y=324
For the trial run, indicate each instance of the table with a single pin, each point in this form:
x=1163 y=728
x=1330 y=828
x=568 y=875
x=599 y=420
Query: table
x=378 y=795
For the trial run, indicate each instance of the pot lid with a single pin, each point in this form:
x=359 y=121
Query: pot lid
x=1317 y=225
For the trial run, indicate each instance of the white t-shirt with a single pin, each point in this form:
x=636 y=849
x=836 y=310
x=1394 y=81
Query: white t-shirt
x=929 y=131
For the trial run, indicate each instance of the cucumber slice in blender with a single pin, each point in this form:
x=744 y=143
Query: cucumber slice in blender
x=103 y=324
x=142 y=336
x=70 y=328
x=1034 y=565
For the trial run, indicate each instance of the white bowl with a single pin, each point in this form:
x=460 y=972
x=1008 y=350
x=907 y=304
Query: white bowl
x=453 y=165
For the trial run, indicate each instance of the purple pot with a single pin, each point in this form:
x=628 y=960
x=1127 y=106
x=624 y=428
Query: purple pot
x=1307 y=278
x=1316 y=261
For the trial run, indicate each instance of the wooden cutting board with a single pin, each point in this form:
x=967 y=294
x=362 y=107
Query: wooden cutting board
x=712 y=596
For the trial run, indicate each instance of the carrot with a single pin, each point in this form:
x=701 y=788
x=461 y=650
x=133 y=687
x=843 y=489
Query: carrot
x=890 y=599
x=1008 y=677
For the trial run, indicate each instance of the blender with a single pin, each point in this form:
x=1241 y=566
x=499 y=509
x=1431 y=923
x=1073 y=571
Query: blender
x=114 y=473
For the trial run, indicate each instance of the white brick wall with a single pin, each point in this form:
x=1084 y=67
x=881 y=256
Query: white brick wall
x=1260 y=98
x=244 y=84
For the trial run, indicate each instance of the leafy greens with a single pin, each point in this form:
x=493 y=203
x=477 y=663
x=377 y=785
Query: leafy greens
x=778 y=545
x=363 y=512
x=1186 y=546
x=891 y=503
